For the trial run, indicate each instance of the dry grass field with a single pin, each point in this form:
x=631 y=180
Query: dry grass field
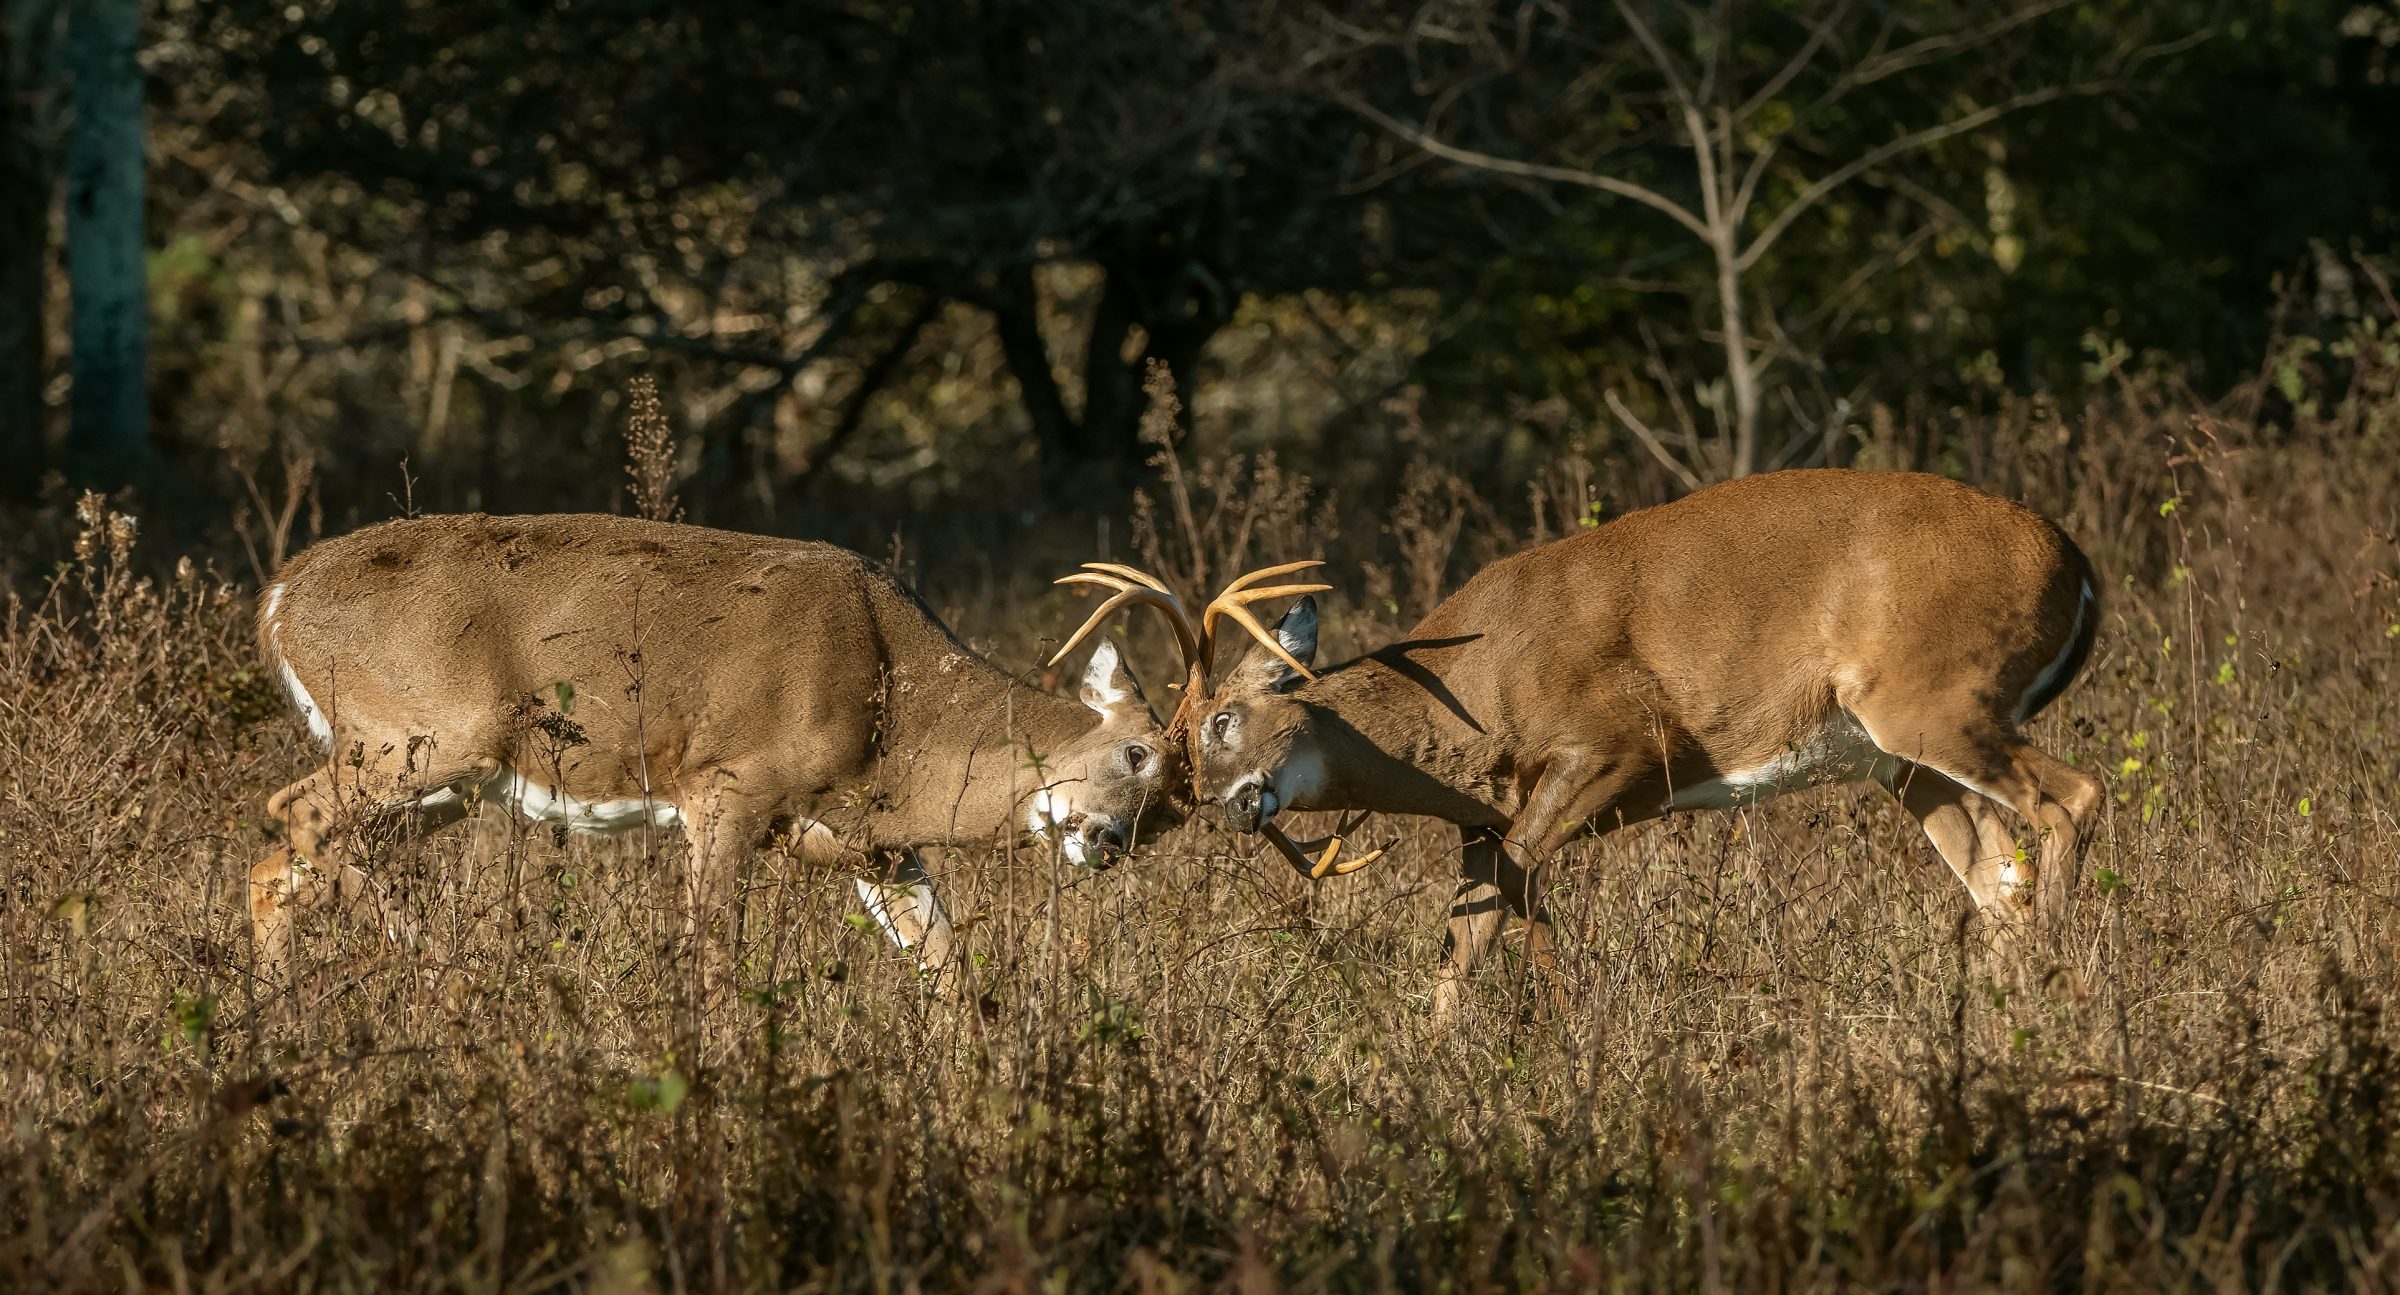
x=1788 y=1064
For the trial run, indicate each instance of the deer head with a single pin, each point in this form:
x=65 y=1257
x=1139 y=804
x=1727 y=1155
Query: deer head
x=1196 y=638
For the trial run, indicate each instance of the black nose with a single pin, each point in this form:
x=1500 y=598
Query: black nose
x=1102 y=839
x=1241 y=808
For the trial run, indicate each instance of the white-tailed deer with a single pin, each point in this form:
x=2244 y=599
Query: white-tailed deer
x=1772 y=633
x=607 y=675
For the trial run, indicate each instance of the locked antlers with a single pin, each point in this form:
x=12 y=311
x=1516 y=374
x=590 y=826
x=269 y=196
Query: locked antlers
x=1197 y=639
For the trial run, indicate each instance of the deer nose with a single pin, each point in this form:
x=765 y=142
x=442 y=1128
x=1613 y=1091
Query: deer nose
x=1241 y=805
x=1102 y=840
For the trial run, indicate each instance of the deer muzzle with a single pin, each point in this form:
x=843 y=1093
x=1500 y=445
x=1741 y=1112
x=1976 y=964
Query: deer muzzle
x=1104 y=841
x=1250 y=805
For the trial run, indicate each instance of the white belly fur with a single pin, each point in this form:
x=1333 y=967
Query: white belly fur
x=1838 y=751
x=546 y=804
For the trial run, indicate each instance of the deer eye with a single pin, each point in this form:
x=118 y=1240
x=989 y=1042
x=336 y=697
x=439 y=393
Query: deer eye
x=1221 y=724
x=1137 y=757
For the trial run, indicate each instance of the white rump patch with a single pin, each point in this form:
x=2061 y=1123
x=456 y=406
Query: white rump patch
x=2049 y=676
x=1838 y=751
x=307 y=704
x=272 y=616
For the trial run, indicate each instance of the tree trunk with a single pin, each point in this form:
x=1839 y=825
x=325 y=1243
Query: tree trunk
x=1176 y=326
x=109 y=435
x=1111 y=439
x=28 y=36
x=1104 y=444
x=1739 y=375
x=1016 y=317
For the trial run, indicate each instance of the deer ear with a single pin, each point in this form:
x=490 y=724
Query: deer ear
x=1107 y=684
x=1263 y=671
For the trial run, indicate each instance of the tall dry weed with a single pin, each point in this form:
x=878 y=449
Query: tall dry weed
x=1222 y=515
x=650 y=453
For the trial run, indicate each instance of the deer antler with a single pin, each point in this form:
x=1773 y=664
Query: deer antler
x=1325 y=849
x=1134 y=588
x=1233 y=603
x=1198 y=641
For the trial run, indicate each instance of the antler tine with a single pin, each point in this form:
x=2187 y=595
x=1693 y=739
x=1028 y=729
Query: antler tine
x=1108 y=575
x=1327 y=850
x=1264 y=572
x=1332 y=846
x=1233 y=602
x=1240 y=615
x=1118 y=583
x=1185 y=639
x=1130 y=573
x=1146 y=593
x=1248 y=596
x=1098 y=614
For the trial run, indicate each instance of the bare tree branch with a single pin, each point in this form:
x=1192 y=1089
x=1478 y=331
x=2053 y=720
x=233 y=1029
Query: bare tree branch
x=1756 y=171
x=1909 y=143
x=1658 y=54
x=1649 y=439
x=1934 y=48
x=1776 y=84
x=1644 y=195
x=1836 y=304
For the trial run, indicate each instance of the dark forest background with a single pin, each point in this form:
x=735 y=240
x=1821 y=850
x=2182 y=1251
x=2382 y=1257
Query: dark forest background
x=281 y=266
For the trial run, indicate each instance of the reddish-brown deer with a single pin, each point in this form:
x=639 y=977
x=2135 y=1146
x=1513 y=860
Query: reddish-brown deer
x=1772 y=633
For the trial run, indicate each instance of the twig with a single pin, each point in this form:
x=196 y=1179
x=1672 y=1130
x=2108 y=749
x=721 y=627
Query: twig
x=1529 y=170
x=1808 y=198
x=1650 y=441
x=872 y=379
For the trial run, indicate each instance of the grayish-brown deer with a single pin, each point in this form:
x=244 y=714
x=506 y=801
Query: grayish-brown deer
x=1772 y=633
x=609 y=675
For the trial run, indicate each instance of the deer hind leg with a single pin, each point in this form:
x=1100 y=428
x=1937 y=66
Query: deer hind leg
x=2070 y=800
x=320 y=817
x=1966 y=830
x=1989 y=756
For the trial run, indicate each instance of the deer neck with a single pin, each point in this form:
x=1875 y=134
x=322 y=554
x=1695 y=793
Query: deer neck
x=964 y=746
x=1396 y=739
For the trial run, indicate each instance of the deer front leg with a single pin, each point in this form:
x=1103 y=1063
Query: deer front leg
x=721 y=836
x=1574 y=794
x=307 y=872
x=1486 y=877
x=905 y=905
